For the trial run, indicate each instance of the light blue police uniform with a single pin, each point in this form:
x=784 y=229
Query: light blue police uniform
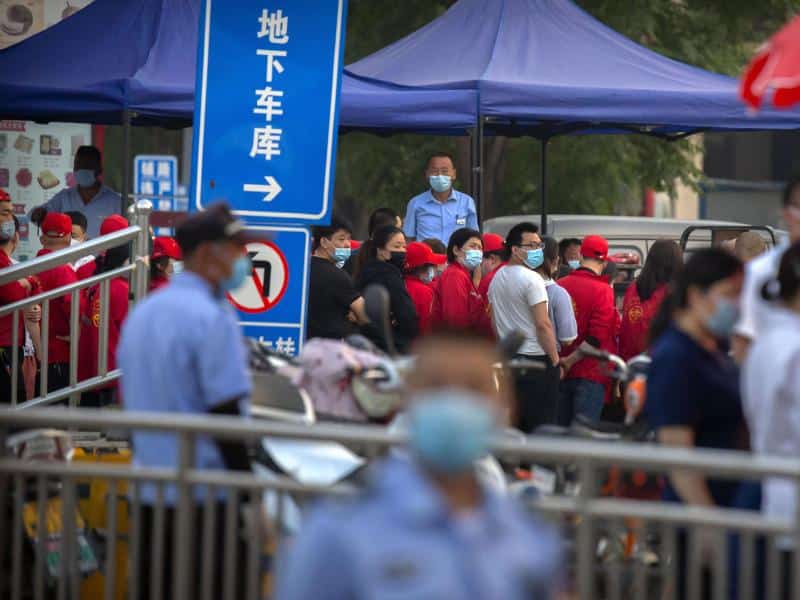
x=181 y=351
x=107 y=202
x=426 y=217
x=399 y=540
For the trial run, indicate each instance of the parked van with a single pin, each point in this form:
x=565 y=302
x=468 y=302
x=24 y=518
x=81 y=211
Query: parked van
x=633 y=234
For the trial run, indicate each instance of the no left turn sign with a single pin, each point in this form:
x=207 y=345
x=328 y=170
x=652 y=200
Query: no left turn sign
x=267 y=283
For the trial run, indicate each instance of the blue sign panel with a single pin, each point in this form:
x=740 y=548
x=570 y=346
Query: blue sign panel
x=155 y=178
x=272 y=302
x=266 y=114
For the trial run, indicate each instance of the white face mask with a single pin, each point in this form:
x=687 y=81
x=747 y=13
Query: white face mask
x=177 y=266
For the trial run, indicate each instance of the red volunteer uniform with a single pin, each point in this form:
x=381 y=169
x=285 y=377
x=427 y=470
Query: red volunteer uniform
x=58 y=323
x=118 y=298
x=636 y=319
x=420 y=255
x=163 y=246
x=457 y=303
x=10 y=293
x=593 y=301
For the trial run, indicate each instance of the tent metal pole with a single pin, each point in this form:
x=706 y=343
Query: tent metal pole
x=543 y=189
x=476 y=156
x=126 y=160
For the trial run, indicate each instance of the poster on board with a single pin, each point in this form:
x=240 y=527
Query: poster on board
x=35 y=164
x=20 y=19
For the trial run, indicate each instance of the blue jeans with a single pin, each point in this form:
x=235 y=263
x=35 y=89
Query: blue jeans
x=581 y=397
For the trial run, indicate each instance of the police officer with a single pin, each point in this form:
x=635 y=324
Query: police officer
x=182 y=351
x=425 y=527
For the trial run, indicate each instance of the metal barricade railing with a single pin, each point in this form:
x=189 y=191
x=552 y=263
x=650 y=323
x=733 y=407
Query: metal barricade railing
x=678 y=525
x=138 y=236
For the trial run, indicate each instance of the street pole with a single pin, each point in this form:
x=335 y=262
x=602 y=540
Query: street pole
x=543 y=190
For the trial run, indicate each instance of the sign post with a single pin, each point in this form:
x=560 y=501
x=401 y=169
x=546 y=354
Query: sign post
x=266 y=121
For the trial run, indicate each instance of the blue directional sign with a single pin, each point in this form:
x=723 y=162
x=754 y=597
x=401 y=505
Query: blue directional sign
x=158 y=175
x=266 y=116
x=272 y=302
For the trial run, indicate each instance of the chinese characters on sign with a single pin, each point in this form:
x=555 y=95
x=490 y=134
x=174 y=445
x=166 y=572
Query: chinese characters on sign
x=156 y=179
x=273 y=30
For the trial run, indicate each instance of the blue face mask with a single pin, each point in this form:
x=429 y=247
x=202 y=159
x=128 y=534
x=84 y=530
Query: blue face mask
x=428 y=275
x=535 y=258
x=724 y=319
x=473 y=259
x=450 y=429
x=7 y=230
x=177 y=267
x=242 y=269
x=85 y=178
x=440 y=183
x=340 y=255
x=574 y=264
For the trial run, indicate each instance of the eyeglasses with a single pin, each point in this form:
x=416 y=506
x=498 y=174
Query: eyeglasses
x=532 y=246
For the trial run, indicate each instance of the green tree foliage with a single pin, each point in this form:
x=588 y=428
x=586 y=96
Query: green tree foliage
x=588 y=174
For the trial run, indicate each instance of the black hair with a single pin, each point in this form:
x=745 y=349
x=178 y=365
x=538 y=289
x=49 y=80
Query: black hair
x=440 y=155
x=458 y=239
x=436 y=245
x=705 y=268
x=789 y=188
x=564 y=245
x=158 y=266
x=89 y=152
x=610 y=270
x=514 y=237
x=786 y=285
x=113 y=258
x=551 y=249
x=78 y=218
x=664 y=261
x=381 y=217
x=327 y=231
x=369 y=249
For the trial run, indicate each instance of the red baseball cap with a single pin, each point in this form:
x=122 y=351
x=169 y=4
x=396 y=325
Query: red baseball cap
x=493 y=243
x=419 y=254
x=56 y=225
x=166 y=246
x=112 y=224
x=595 y=246
x=4 y=197
x=355 y=244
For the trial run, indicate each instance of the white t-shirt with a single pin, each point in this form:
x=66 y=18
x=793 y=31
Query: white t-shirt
x=514 y=290
x=754 y=308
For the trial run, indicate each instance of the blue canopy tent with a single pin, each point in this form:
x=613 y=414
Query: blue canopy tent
x=513 y=67
x=547 y=68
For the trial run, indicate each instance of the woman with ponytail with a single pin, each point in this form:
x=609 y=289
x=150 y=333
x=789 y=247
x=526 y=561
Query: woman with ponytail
x=382 y=259
x=771 y=382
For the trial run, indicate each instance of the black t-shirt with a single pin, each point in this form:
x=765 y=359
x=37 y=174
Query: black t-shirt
x=331 y=292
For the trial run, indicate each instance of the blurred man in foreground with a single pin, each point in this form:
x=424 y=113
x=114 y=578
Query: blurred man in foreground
x=425 y=527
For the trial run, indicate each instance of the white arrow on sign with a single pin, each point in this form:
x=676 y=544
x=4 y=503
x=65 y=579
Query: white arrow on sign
x=272 y=188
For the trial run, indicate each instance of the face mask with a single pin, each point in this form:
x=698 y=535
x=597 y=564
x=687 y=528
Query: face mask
x=574 y=264
x=242 y=268
x=440 y=183
x=724 y=318
x=85 y=178
x=7 y=230
x=534 y=258
x=473 y=259
x=340 y=255
x=398 y=259
x=428 y=275
x=450 y=429
x=177 y=267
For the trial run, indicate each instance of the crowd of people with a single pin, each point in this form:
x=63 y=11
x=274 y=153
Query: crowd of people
x=72 y=217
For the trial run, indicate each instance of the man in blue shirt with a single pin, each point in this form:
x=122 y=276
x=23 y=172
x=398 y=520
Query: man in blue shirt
x=182 y=351
x=89 y=196
x=425 y=527
x=439 y=211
